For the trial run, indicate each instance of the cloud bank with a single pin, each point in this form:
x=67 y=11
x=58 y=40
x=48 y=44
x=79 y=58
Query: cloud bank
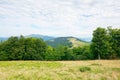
x=57 y=17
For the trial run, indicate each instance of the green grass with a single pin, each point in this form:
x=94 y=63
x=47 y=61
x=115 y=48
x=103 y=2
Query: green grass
x=60 y=70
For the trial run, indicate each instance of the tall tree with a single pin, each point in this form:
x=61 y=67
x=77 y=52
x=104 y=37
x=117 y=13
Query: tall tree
x=100 y=43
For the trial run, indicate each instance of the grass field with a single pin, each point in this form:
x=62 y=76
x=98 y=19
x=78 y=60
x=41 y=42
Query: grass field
x=60 y=70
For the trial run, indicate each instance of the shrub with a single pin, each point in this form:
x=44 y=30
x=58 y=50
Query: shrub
x=84 y=69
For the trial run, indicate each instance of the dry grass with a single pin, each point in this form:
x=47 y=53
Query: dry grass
x=60 y=70
x=77 y=43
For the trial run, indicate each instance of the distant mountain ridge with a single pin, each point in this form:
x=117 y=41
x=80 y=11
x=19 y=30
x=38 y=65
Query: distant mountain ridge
x=44 y=37
x=3 y=38
x=87 y=39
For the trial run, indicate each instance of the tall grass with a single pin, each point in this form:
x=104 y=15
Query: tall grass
x=60 y=70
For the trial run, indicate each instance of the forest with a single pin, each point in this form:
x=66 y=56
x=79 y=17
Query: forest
x=105 y=44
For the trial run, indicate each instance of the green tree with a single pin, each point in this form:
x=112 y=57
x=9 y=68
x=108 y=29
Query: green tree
x=100 y=43
x=59 y=50
x=51 y=54
x=68 y=53
x=22 y=49
x=114 y=35
x=34 y=49
x=82 y=53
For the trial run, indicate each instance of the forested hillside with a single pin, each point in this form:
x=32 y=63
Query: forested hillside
x=67 y=41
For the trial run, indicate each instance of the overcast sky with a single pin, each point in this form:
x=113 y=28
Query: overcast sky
x=57 y=17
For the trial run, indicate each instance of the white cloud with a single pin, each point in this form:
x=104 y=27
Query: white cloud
x=57 y=17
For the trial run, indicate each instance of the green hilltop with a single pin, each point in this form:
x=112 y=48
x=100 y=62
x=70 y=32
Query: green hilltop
x=67 y=41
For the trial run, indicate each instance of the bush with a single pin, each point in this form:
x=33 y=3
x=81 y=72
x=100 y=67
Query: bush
x=84 y=69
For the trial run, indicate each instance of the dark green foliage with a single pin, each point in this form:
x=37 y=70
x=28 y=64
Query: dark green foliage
x=99 y=42
x=36 y=49
x=3 y=56
x=114 y=35
x=22 y=49
x=106 y=43
x=51 y=54
x=59 y=53
x=67 y=53
x=82 y=53
x=84 y=69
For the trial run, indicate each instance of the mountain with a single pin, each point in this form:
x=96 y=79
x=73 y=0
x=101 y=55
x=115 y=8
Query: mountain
x=54 y=42
x=3 y=38
x=45 y=38
x=88 y=39
x=67 y=41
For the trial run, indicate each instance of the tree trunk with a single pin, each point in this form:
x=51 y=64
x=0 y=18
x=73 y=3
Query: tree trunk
x=98 y=56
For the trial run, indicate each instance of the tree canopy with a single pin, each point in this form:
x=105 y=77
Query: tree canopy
x=106 y=43
x=22 y=49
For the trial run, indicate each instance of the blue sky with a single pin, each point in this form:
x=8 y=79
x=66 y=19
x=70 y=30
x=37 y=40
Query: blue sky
x=57 y=17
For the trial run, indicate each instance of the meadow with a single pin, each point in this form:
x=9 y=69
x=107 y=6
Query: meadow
x=60 y=70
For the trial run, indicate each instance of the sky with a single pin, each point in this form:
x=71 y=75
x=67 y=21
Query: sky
x=78 y=18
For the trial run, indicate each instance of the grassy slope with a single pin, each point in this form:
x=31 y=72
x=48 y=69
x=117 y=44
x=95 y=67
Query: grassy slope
x=59 y=70
x=77 y=43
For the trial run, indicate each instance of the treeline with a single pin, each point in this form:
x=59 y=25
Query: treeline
x=20 y=48
x=105 y=45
